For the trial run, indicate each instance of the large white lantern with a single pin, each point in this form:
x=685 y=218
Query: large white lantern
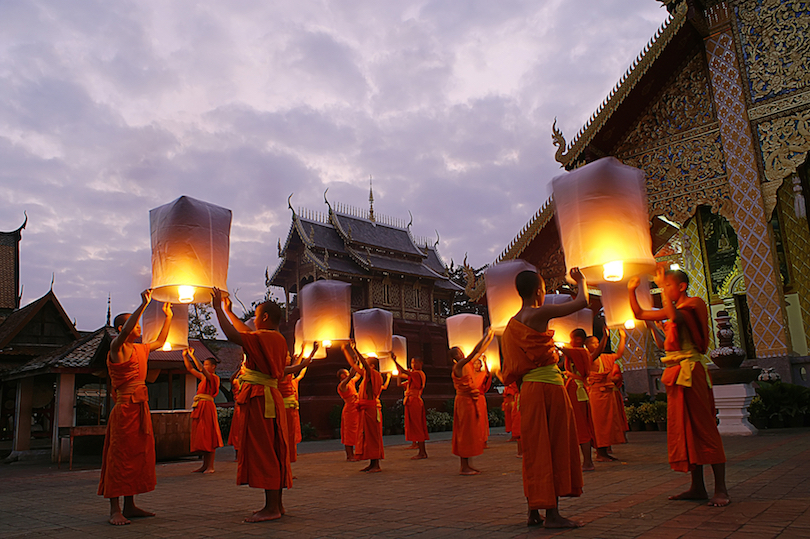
x=503 y=300
x=303 y=348
x=563 y=326
x=616 y=303
x=153 y=318
x=373 y=332
x=465 y=331
x=190 y=246
x=493 y=355
x=601 y=211
x=400 y=348
x=326 y=311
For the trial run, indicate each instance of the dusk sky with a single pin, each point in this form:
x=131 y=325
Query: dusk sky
x=109 y=109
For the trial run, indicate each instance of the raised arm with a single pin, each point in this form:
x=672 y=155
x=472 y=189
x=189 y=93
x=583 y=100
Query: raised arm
x=228 y=329
x=164 y=331
x=188 y=357
x=547 y=312
x=668 y=310
x=402 y=370
x=458 y=368
x=387 y=381
x=237 y=323
x=602 y=344
x=622 y=342
x=132 y=321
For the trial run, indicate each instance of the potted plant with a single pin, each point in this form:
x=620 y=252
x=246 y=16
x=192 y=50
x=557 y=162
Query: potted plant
x=633 y=418
x=661 y=414
x=646 y=413
x=758 y=415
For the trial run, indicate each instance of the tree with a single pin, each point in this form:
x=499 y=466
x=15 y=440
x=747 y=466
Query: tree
x=199 y=322
x=461 y=302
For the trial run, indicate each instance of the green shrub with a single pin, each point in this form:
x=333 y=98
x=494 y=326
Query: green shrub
x=646 y=412
x=224 y=416
x=632 y=414
x=439 y=421
x=496 y=417
x=308 y=432
x=660 y=410
x=635 y=399
x=782 y=402
x=757 y=409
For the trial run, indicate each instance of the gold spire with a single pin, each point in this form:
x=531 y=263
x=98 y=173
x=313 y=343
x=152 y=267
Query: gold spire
x=370 y=200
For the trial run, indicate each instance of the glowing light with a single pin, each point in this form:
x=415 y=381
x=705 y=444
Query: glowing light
x=371 y=354
x=327 y=344
x=185 y=294
x=395 y=372
x=674 y=266
x=613 y=271
x=167 y=347
x=630 y=324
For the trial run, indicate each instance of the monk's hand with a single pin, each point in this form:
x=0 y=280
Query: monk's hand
x=167 y=309
x=227 y=304
x=189 y=352
x=216 y=296
x=659 y=275
x=146 y=296
x=576 y=275
x=633 y=283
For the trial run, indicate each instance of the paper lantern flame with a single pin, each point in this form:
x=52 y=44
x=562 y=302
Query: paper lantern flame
x=327 y=343
x=563 y=326
x=190 y=250
x=613 y=271
x=493 y=356
x=616 y=303
x=326 y=311
x=601 y=211
x=303 y=348
x=395 y=372
x=503 y=300
x=153 y=318
x=373 y=333
x=630 y=324
x=464 y=331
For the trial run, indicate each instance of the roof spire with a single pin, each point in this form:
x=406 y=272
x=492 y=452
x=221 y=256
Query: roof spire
x=108 y=310
x=370 y=200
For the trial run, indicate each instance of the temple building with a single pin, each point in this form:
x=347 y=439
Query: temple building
x=389 y=269
x=716 y=112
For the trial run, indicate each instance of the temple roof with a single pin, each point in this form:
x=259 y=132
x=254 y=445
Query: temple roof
x=10 y=268
x=17 y=320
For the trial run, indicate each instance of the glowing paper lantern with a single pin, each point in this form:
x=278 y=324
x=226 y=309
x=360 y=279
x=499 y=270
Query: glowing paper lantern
x=464 y=331
x=326 y=311
x=563 y=326
x=302 y=347
x=373 y=332
x=601 y=211
x=400 y=349
x=503 y=300
x=152 y=323
x=190 y=246
x=615 y=301
x=493 y=356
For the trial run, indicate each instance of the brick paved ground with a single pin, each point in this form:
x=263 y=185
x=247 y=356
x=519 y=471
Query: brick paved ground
x=768 y=477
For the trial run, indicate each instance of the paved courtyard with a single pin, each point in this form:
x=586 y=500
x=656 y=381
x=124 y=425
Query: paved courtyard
x=768 y=476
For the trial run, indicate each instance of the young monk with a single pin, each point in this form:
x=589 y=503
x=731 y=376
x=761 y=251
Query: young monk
x=415 y=415
x=289 y=391
x=468 y=437
x=264 y=458
x=482 y=379
x=551 y=465
x=370 y=441
x=692 y=437
x=577 y=367
x=128 y=462
x=205 y=434
x=350 y=416
x=607 y=418
x=233 y=434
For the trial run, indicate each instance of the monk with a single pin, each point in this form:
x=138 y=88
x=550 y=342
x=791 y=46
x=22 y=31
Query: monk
x=482 y=379
x=415 y=415
x=205 y=434
x=618 y=381
x=370 y=441
x=578 y=362
x=692 y=437
x=289 y=391
x=511 y=410
x=607 y=417
x=233 y=434
x=264 y=458
x=350 y=415
x=551 y=465
x=468 y=437
x=128 y=462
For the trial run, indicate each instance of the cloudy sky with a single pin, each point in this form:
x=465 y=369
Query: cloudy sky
x=109 y=109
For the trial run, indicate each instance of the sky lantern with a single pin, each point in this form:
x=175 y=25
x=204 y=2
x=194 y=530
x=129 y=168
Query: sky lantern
x=326 y=311
x=303 y=348
x=152 y=323
x=616 y=303
x=373 y=334
x=503 y=300
x=563 y=327
x=400 y=349
x=602 y=217
x=493 y=356
x=464 y=331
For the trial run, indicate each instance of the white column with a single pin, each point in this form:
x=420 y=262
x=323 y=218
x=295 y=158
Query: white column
x=732 y=402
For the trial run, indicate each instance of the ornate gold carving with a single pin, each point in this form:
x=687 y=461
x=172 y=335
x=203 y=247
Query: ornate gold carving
x=785 y=142
x=769 y=195
x=730 y=284
x=780 y=105
x=775 y=39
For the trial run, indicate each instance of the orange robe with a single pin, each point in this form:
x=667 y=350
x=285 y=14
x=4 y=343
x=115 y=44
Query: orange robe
x=415 y=417
x=233 y=434
x=370 y=442
x=468 y=437
x=128 y=464
x=508 y=405
x=264 y=459
x=551 y=465
x=205 y=434
x=608 y=425
x=289 y=391
x=350 y=416
x=692 y=435
x=483 y=381
x=577 y=369
x=618 y=382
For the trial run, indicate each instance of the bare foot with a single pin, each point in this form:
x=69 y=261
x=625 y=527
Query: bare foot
x=209 y=470
x=376 y=469
x=117 y=519
x=534 y=518
x=720 y=499
x=561 y=522
x=352 y=459
x=590 y=468
x=367 y=468
x=201 y=469
x=263 y=516
x=136 y=512
x=691 y=495
x=413 y=446
x=605 y=458
x=469 y=472
x=419 y=457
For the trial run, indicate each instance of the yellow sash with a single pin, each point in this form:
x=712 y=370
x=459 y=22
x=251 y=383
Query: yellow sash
x=687 y=359
x=248 y=376
x=291 y=402
x=582 y=393
x=550 y=374
x=201 y=397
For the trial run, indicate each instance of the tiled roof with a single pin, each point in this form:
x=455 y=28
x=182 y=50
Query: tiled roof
x=82 y=353
x=379 y=235
x=17 y=320
x=229 y=355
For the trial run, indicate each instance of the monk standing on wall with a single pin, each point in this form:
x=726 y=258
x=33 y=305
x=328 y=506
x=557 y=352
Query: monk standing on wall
x=551 y=465
x=128 y=464
x=692 y=437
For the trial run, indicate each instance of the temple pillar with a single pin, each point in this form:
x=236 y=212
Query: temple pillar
x=22 y=414
x=763 y=283
x=65 y=410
